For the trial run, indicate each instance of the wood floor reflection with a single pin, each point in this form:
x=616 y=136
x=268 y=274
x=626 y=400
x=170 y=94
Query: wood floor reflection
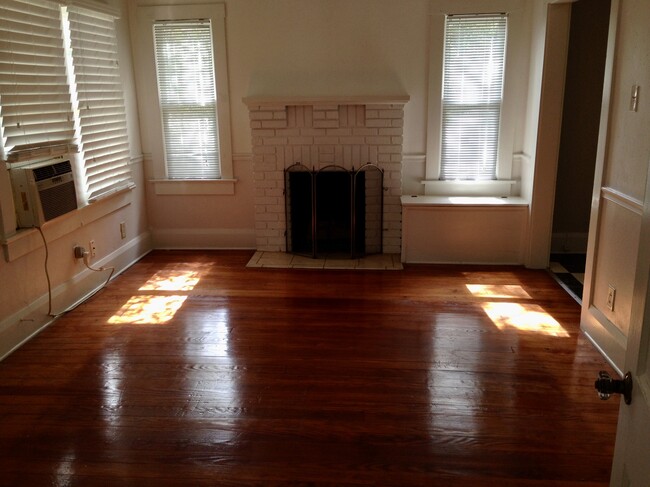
x=191 y=369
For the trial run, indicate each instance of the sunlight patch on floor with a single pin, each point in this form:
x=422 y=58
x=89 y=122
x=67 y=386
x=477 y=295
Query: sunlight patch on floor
x=149 y=310
x=523 y=317
x=172 y=280
x=509 y=291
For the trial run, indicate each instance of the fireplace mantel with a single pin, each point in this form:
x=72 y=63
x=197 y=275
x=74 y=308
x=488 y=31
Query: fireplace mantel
x=280 y=100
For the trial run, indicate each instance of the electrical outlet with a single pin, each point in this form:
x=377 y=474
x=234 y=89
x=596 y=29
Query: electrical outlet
x=92 y=248
x=123 y=230
x=611 y=296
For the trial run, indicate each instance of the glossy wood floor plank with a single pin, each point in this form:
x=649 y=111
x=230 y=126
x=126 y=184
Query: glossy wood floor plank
x=190 y=369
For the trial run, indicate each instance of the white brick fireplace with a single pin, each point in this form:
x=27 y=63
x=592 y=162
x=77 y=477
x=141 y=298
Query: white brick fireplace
x=318 y=132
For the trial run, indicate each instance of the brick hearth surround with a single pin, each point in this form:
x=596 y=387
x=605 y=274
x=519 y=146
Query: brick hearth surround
x=318 y=133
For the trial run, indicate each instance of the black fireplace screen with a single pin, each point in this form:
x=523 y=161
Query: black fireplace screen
x=334 y=211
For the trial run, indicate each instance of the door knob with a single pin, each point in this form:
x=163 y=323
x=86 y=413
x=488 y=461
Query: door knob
x=606 y=386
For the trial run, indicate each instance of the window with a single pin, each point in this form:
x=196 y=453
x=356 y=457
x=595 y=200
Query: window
x=473 y=74
x=35 y=109
x=181 y=49
x=99 y=100
x=60 y=89
x=187 y=97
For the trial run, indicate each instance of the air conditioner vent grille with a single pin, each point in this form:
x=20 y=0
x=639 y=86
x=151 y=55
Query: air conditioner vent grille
x=48 y=172
x=58 y=200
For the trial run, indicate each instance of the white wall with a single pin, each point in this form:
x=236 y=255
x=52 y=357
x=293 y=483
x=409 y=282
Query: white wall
x=23 y=296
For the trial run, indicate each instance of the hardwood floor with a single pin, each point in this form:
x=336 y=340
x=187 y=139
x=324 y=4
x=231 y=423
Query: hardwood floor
x=215 y=374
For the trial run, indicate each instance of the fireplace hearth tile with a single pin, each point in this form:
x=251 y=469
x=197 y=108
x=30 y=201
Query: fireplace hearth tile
x=282 y=260
x=301 y=262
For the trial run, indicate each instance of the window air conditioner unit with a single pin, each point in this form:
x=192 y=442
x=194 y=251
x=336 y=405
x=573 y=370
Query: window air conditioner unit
x=42 y=192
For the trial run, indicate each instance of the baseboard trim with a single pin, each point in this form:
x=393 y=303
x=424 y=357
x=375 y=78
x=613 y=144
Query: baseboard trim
x=21 y=326
x=204 y=238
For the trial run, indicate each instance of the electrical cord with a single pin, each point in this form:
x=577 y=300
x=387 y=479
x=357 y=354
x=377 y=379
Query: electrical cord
x=47 y=275
x=86 y=261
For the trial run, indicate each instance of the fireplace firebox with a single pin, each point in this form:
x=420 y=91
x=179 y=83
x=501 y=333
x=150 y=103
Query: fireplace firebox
x=334 y=212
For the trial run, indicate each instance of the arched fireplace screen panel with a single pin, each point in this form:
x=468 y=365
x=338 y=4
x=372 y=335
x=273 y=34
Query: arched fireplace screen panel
x=334 y=211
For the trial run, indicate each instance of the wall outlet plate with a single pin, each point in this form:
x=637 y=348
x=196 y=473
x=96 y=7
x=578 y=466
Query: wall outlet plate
x=611 y=296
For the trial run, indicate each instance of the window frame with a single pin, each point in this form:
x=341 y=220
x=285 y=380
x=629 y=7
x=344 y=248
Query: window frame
x=152 y=132
x=504 y=182
x=461 y=100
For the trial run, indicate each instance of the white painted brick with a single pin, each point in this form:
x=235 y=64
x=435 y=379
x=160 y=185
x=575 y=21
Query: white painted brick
x=291 y=132
x=326 y=123
x=265 y=200
x=261 y=225
x=326 y=158
x=301 y=140
x=276 y=208
x=261 y=115
x=274 y=124
x=275 y=141
x=264 y=166
x=332 y=115
x=311 y=132
x=328 y=107
x=263 y=149
x=274 y=176
x=347 y=155
x=378 y=122
x=326 y=140
x=371 y=114
x=267 y=217
x=276 y=192
x=364 y=131
x=377 y=140
x=390 y=149
x=266 y=184
x=279 y=241
x=256 y=124
x=305 y=155
x=280 y=115
x=339 y=131
x=390 y=131
x=396 y=122
x=391 y=113
x=319 y=115
x=397 y=140
x=351 y=140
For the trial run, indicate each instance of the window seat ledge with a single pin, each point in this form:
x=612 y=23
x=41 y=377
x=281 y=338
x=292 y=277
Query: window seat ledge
x=461 y=201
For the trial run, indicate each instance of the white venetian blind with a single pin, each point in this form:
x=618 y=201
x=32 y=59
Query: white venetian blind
x=35 y=108
x=188 y=101
x=473 y=71
x=102 y=116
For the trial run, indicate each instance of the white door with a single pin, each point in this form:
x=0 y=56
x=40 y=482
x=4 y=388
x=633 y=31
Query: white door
x=631 y=465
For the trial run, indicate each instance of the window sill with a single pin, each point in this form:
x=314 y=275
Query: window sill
x=27 y=240
x=502 y=187
x=462 y=201
x=194 y=186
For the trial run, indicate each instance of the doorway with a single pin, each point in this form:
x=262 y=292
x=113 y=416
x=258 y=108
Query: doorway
x=578 y=142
